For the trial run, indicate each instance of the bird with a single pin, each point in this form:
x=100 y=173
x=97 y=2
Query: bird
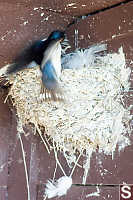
x=46 y=54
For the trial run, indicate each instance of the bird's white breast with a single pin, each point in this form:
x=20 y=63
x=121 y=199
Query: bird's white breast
x=56 y=60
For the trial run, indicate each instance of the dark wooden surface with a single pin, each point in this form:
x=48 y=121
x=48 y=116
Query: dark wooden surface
x=113 y=26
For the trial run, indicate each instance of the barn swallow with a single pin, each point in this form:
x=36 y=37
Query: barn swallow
x=46 y=54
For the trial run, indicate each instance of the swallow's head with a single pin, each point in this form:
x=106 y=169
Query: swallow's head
x=57 y=35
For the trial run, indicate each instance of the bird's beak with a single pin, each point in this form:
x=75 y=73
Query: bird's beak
x=62 y=39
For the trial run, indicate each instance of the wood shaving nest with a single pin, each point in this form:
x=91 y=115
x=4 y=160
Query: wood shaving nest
x=92 y=115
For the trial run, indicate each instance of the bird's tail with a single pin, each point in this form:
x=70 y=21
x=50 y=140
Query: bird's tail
x=15 y=67
x=55 y=94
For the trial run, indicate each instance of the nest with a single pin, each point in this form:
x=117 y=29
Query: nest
x=93 y=115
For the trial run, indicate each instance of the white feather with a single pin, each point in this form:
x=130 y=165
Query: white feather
x=81 y=58
x=56 y=60
x=59 y=187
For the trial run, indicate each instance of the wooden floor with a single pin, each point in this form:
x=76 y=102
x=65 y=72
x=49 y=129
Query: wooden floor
x=22 y=21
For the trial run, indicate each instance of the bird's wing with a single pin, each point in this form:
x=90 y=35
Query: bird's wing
x=49 y=76
x=25 y=57
x=51 y=86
